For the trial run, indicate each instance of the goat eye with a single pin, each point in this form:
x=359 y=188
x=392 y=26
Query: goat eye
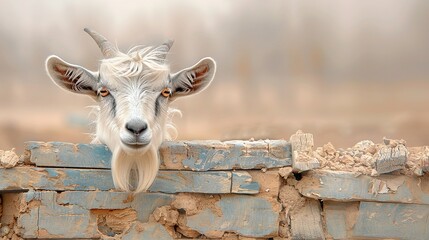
x=104 y=92
x=166 y=92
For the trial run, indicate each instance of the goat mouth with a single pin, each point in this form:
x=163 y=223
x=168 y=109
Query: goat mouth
x=135 y=145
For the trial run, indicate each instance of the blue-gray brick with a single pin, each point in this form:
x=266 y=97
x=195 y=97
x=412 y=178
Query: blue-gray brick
x=346 y=186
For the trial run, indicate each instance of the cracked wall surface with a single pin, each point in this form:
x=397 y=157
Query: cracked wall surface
x=267 y=189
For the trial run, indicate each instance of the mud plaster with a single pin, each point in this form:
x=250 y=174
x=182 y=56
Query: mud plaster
x=114 y=222
x=195 y=203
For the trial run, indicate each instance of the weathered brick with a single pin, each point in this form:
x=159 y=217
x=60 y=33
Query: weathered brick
x=280 y=149
x=389 y=158
x=306 y=223
x=143 y=203
x=216 y=155
x=302 y=152
x=173 y=154
x=346 y=186
x=22 y=178
x=249 y=216
x=40 y=216
x=62 y=215
x=340 y=218
x=64 y=221
x=371 y=220
x=190 y=155
x=392 y=221
x=302 y=141
x=60 y=154
x=197 y=182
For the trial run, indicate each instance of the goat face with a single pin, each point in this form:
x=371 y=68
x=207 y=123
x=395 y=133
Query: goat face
x=133 y=92
x=134 y=109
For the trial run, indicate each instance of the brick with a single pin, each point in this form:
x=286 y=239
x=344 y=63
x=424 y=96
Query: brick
x=346 y=186
x=64 y=221
x=389 y=159
x=143 y=203
x=242 y=183
x=190 y=155
x=62 y=215
x=392 y=221
x=248 y=216
x=41 y=217
x=173 y=154
x=59 y=154
x=340 y=218
x=302 y=152
x=302 y=141
x=280 y=149
x=194 y=182
x=306 y=224
x=216 y=155
x=27 y=223
x=304 y=162
x=23 y=178
x=371 y=220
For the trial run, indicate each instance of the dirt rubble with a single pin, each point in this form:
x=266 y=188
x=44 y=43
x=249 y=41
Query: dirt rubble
x=9 y=159
x=362 y=157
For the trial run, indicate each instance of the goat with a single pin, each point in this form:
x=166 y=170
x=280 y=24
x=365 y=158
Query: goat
x=133 y=92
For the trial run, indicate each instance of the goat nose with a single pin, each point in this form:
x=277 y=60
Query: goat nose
x=136 y=126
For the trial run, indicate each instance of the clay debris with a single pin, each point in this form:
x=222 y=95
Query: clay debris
x=359 y=158
x=8 y=159
x=285 y=172
x=173 y=216
x=369 y=158
x=418 y=160
x=114 y=222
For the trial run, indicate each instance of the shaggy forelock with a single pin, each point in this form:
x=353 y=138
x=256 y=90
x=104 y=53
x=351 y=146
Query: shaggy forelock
x=140 y=62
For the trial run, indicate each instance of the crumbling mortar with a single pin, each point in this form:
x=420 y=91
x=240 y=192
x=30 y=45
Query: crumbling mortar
x=26 y=158
x=281 y=229
x=324 y=224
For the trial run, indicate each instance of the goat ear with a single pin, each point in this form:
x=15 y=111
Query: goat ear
x=71 y=77
x=194 y=79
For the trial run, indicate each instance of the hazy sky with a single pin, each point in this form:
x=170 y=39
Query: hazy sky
x=330 y=40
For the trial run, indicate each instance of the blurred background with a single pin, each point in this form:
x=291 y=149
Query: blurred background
x=342 y=70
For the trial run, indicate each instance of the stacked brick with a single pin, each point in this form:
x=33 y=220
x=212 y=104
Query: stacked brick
x=203 y=189
x=220 y=190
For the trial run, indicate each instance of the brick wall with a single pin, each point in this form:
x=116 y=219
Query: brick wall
x=225 y=190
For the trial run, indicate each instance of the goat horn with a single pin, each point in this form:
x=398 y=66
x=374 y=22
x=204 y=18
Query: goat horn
x=169 y=44
x=106 y=47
